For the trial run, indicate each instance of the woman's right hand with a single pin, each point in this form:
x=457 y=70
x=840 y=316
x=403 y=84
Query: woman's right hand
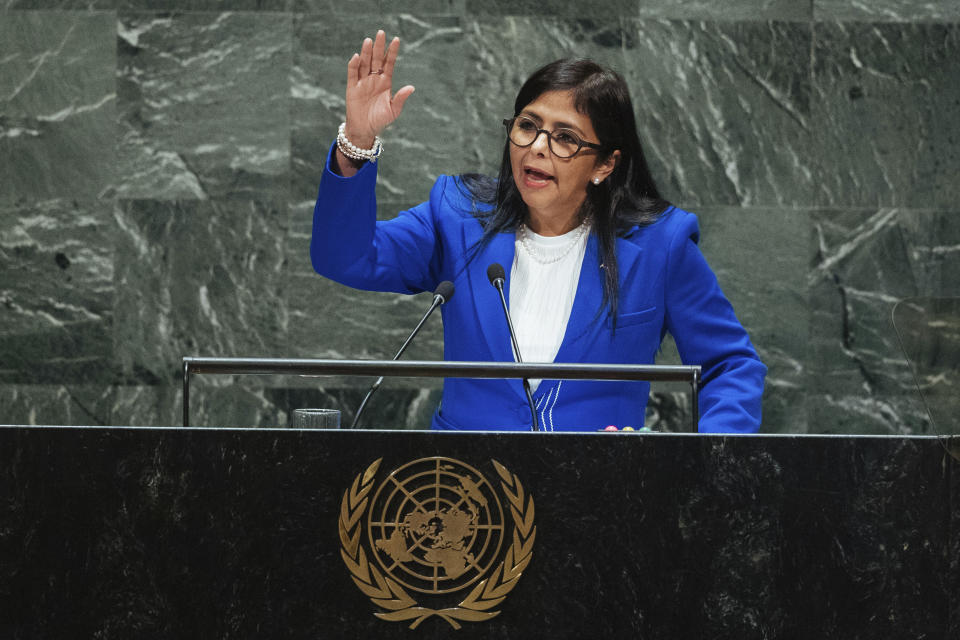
x=370 y=105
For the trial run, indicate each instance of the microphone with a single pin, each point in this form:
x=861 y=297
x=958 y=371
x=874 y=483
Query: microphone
x=497 y=277
x=441 y=295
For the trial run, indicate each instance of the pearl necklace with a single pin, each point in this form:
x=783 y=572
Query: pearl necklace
x=538 y=256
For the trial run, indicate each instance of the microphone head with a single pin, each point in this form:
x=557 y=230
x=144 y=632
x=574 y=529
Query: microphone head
x=444 y=290
x=495 y=272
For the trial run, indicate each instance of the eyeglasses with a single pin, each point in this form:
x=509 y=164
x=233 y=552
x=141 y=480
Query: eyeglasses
x=564 y=143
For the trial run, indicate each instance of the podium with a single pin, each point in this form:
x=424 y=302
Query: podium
x=258 y=533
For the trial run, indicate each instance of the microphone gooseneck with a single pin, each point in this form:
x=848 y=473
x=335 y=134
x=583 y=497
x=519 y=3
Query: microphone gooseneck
x=441 y=295
x=497 y=276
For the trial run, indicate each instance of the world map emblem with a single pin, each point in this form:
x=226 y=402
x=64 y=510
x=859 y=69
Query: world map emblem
x=431 y=531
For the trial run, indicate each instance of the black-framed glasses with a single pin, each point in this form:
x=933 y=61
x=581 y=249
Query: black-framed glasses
x=564 y=143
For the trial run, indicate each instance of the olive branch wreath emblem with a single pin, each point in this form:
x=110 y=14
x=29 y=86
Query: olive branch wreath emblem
x=387 y=593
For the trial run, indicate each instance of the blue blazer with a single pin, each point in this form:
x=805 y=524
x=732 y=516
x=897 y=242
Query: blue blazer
x=665 y=285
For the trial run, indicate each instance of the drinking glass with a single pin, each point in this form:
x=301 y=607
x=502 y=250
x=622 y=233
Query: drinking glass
x=316 y=419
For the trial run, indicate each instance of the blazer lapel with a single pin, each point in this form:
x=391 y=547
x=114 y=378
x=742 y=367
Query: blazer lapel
x=486 y=300
x=585 y=320
x=586 y=304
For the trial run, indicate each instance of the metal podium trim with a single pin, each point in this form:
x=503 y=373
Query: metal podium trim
x=439 y=369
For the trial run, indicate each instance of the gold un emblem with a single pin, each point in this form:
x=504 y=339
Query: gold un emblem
x=435 y=528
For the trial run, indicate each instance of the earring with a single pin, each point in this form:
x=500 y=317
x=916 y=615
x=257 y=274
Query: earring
x=596 y=181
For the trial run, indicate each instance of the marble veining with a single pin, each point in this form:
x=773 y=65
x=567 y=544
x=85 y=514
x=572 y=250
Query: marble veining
x=197 y=278
x=736 y=10
x=57 y=105
x=857 y=279
x=698 y=84
x=203 y=112
x=887 y=10
x=56 y=292
x=886 y=108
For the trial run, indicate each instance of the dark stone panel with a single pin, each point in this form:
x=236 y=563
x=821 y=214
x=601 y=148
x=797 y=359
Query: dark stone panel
x=204 y=102
x=844 y=411
x=154 y=5
x=886 y=107
x=887 y=10
x=668 y=411
x=112 y=533
x=928 y=329
x=423 y=7
x=724 y=109
x=608 y=9
x=38 y=404
x=198 y=278
x=326 y=7
x=204 y=5
x=56 y=292
x=933 y=239
x=157 y=405
x=870 y=545
x=366 y=8
x=57 y=104
x=259 y=401
x=250 y=402
x=858 y=374
x=733 y=10
x=384 y=8
x=503 y=52
x=867 y=261
x=760 y=257
x=423 y=143
x=952 y=583
x=71 y=5
x=672 y=9
x=222 y=401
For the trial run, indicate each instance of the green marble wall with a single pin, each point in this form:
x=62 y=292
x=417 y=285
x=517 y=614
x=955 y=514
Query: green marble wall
x=158 y=163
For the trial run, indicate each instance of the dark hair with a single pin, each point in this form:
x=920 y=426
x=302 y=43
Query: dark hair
x=627 y=198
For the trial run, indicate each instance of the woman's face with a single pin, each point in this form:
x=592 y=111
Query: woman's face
x=554 y=188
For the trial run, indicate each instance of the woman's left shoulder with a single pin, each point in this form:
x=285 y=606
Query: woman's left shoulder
x=672 y=223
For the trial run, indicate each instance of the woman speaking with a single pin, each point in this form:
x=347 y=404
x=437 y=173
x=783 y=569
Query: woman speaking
x=599 y=266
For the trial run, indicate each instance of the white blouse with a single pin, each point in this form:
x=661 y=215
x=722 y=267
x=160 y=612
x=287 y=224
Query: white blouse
x=543 y=283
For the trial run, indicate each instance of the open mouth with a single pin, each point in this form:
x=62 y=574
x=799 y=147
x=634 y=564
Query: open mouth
x=536 y=175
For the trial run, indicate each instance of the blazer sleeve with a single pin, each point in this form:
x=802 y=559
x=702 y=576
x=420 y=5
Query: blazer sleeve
x=708 y=334
x=348 y=244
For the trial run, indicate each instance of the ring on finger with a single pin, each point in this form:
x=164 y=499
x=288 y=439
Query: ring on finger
x=379 y=72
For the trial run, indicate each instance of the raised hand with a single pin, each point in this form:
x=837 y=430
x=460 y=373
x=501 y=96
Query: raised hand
x=371 y=106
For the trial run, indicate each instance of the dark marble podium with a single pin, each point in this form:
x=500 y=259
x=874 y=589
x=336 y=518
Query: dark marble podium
x=224 y=533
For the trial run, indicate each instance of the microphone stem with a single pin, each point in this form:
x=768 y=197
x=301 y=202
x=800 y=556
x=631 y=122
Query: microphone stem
x=498 y=283
x=513 y=338
x=437 y=301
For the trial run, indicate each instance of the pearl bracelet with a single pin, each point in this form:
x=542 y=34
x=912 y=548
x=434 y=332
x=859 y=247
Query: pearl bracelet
x=354 y=152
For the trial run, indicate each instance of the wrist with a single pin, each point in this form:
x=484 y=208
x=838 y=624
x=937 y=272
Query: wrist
x=360 y=139
x=354 y=151
x=344 y=166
